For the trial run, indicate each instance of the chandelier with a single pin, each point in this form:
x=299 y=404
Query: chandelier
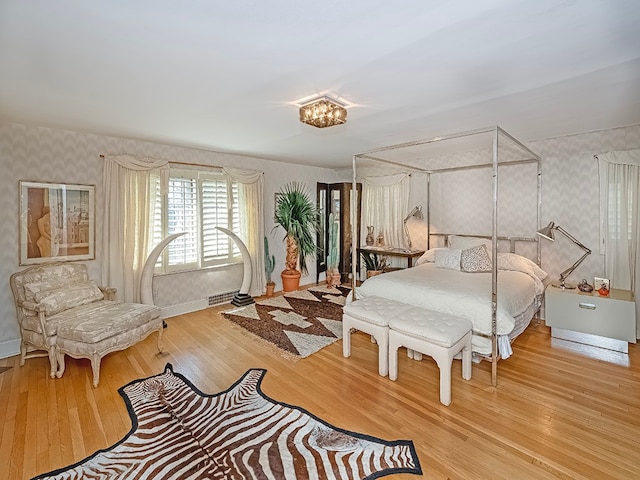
x=323 y=112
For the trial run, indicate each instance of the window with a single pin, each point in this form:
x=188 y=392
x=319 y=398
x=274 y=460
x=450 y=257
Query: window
x=196 y=202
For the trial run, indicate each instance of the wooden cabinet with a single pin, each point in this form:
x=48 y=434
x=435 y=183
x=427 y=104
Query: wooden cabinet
x=336 y=198
x=608 y=322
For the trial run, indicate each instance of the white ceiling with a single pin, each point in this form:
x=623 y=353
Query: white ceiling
x=223 y=74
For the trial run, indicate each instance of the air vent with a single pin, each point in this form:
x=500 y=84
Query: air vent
x=219 y=298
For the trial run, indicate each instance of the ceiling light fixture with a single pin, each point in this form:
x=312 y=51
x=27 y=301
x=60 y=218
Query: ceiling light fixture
x=323 y=112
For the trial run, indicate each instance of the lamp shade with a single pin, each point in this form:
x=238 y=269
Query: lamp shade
x=547 y=232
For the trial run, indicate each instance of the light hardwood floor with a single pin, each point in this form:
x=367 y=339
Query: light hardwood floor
x=560 y=410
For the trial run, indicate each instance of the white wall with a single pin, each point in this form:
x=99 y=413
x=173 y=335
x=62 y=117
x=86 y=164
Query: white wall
x=60 y=156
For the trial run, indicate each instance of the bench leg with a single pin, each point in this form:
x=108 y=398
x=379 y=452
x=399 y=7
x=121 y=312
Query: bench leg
x=61 y=364
x=160 y=339
x=393 y=358
x=95 y=367
x=466 y=360
x=346 y=338
x=383 y=356
x=53 y=362
x=444 y=360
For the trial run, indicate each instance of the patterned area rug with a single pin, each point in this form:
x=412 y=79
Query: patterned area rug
x=299 y=323
x=179 y=432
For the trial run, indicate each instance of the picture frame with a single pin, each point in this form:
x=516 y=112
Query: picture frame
x=57 y=222
x=601 y=285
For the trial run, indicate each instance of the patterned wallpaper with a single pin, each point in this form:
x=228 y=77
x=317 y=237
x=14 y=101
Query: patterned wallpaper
x=53 y=155
x=569 y=197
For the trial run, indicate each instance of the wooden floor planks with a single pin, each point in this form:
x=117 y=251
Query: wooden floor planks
x=560 y=410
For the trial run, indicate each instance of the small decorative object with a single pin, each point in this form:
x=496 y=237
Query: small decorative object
x=583 y=286
x=370 y=240
x=333 y=257
x=601 y=285
x=380 y=240
x=269 y=265
x=57 y=222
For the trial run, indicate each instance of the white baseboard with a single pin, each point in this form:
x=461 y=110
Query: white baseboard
x=183 y=308
x=9 y=348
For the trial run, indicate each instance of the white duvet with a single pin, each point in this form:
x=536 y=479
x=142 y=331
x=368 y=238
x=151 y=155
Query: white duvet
x=466 y=295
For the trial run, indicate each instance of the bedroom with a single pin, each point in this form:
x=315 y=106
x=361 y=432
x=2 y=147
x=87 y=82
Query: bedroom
x=43 y=149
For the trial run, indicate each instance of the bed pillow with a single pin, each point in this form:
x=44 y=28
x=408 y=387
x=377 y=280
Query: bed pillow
x=464 y=243
x=429 y=256
x=513 y=261
x=448 y=258
x=475 y=260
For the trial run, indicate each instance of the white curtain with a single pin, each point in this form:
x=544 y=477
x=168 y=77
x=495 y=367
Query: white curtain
x=619 y=174
x=385 y=203
x=127 y=225
x=251 y=206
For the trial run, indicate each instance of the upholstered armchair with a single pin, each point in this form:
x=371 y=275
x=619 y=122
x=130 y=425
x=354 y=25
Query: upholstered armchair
x=62 y=312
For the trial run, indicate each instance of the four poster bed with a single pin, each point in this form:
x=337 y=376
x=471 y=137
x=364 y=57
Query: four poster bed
x=499 y=291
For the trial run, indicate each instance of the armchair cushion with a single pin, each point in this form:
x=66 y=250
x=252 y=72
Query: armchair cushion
x=65 y=298
x=98 y=321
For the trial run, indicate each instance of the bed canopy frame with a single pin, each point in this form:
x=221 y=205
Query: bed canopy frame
x=404 y=156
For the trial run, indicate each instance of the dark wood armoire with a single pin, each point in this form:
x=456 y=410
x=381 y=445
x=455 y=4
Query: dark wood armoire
x=336 y=198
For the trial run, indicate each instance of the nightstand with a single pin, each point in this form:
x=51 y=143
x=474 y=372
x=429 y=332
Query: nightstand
x=607 y=322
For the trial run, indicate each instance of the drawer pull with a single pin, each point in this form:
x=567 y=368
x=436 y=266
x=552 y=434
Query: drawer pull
x=588 y=306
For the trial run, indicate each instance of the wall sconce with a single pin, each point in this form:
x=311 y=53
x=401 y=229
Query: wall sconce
x=547 y=232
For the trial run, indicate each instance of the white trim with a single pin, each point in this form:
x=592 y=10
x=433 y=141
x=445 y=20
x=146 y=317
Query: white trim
x=9 y=348
x=182 y=308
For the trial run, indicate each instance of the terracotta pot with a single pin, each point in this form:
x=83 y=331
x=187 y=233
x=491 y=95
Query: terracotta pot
x=333 y=278
x=373 y=273
x=290 y=280
x=270 y=287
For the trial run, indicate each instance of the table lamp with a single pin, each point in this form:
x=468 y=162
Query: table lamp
x=547 y=232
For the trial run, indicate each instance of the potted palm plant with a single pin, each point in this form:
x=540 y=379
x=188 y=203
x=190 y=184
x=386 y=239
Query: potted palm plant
x=297 y=214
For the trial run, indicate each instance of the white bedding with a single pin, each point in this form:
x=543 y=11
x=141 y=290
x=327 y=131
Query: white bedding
x=466 y=295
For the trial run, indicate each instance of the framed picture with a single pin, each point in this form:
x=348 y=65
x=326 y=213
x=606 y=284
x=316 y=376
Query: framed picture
x=601 y=285
x=57 y=222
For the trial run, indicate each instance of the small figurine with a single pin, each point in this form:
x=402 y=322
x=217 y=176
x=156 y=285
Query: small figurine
x=380 y=240
x=583 y=286
x=370 y=239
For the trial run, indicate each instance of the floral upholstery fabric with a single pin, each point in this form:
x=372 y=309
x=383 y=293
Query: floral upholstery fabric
x=58 y=300
x=96 y=322
x=48 y=278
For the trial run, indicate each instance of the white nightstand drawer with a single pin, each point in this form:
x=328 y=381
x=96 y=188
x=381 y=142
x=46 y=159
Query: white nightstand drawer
x=612 y=317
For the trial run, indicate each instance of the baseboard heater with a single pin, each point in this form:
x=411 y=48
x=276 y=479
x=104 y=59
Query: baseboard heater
x=219 y=298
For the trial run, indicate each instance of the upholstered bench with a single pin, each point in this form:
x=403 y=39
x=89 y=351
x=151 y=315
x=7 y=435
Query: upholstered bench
x=439 y=335
x=371 y=315
x=97 y=329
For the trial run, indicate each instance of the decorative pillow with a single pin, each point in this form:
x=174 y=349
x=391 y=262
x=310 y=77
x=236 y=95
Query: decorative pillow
x=429 y=256
x=464 y=243
x=56 y=301
x=61 y=277
x=476 y=259
x=448 y=258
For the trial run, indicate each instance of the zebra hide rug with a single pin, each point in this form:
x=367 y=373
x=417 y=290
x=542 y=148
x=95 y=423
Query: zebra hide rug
x=298 y=323
x=178 y=432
